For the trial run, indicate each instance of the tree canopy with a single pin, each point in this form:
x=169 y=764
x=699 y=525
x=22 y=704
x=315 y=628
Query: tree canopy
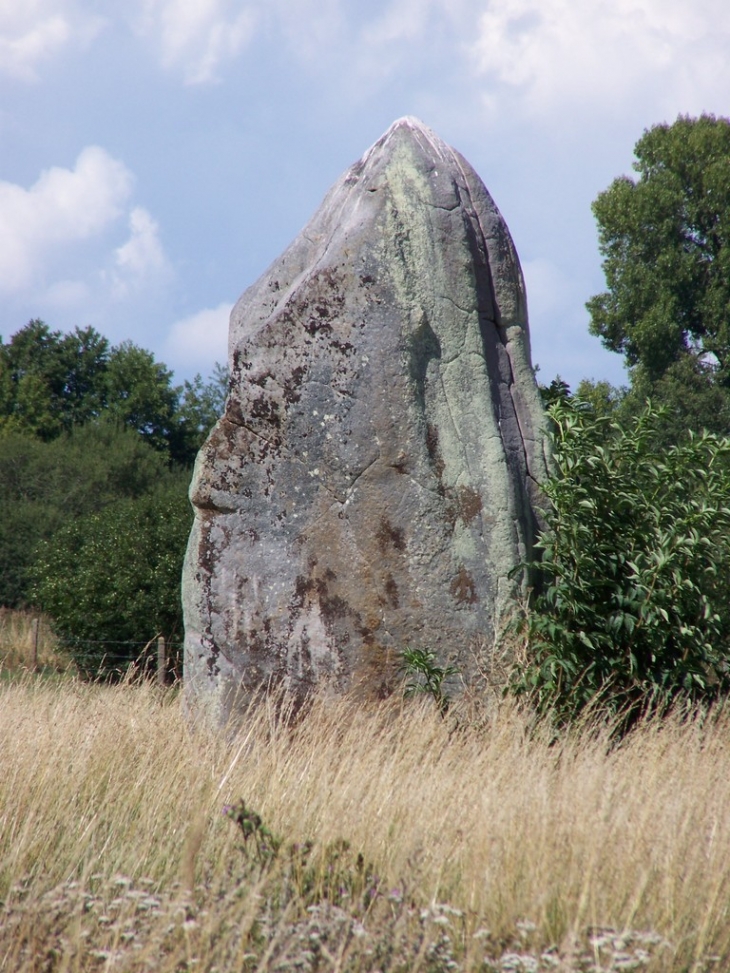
x=51 y=383
x=86 y=427
x=665 y=242
x=46 y=485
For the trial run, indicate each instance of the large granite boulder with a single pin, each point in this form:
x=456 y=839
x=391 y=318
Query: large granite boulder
x=370 y=486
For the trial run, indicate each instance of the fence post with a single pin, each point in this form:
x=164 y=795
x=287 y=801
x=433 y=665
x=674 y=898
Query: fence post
x=34 y=630
x=161 y=661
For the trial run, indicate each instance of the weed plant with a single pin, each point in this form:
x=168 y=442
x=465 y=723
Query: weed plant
x=426 y=677
x=357 y=838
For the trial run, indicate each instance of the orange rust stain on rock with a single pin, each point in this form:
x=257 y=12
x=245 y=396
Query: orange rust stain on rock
x=463 y=588
x=389 y=536
x=470 y=503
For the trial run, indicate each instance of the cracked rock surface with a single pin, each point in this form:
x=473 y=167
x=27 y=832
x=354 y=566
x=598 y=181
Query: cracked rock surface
x=371 y=484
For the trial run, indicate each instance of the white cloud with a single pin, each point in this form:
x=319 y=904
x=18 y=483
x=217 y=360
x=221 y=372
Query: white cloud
x=314 y=31
x=32 y=31
x=197 y=36
x=64 y=206
x=200 y=340
x=409 y=20
x=141 y=259
x=559 y=54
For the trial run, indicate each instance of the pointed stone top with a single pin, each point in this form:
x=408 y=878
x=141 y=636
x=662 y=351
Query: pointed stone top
x=409 y=121
x=413 y=129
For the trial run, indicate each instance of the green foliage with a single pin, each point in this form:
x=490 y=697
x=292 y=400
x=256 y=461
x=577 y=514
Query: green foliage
x=92 y=438
x=690 y=395
x=635 y=567
x=111 y=579
x=253 y=830
x=201 y=404
x=52 y=383
x=665 y=242
x=45 y=485
x=556 y=391
x=602 y=398
x=427 y=675
x=139 y=394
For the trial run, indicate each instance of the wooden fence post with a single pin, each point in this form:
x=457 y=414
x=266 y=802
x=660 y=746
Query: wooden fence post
x=34 y=629
x=161 y=661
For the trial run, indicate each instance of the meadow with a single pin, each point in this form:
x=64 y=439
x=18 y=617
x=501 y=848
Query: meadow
x=372 y=837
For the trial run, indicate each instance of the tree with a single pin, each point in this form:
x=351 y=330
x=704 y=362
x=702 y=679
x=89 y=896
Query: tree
x=46 y=485
x=635 y=567
x=52 y=383
x=200 y=406
x=139 y=394
x=96 y=445
x=665 y=242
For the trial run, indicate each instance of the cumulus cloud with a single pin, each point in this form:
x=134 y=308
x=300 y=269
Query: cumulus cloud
x=409 y=20
x=197 y=36
x=34 y=30
x=558 y=53
x=142 y=258
x=313 y=30
x=200 y=340
x=64 y=206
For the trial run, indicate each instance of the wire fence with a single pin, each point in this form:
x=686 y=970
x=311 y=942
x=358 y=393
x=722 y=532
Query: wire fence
x=158 y=657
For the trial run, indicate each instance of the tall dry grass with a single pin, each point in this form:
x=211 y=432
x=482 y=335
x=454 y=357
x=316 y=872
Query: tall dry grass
x=493 y=843
x=27 y=642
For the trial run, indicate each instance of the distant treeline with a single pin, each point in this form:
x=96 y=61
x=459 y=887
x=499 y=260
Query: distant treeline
x=96 y=452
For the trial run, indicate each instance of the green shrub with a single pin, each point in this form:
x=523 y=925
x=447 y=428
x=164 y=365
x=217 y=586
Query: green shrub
x=111 y=580
x=46 y=485
x=635 y=567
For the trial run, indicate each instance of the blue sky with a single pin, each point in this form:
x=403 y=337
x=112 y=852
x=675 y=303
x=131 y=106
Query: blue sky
x=157 y=155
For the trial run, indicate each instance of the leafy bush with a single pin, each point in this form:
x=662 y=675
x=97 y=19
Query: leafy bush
x=46 y=485
x=635 y=567
x=111 y=580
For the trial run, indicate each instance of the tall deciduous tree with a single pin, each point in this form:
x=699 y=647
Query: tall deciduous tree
x=85 y=426
x=51 y=383
x=665 y=242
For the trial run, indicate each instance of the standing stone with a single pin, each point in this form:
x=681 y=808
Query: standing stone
x=370 y=485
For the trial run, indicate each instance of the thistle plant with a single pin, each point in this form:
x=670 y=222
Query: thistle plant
x=251 y=826
x=301 y=871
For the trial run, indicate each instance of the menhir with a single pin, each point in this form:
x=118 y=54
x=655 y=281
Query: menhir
x=372 y=483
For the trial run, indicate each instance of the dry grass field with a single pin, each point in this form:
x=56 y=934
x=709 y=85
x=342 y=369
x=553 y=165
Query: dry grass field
x=27 y=642
x=472 y=843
